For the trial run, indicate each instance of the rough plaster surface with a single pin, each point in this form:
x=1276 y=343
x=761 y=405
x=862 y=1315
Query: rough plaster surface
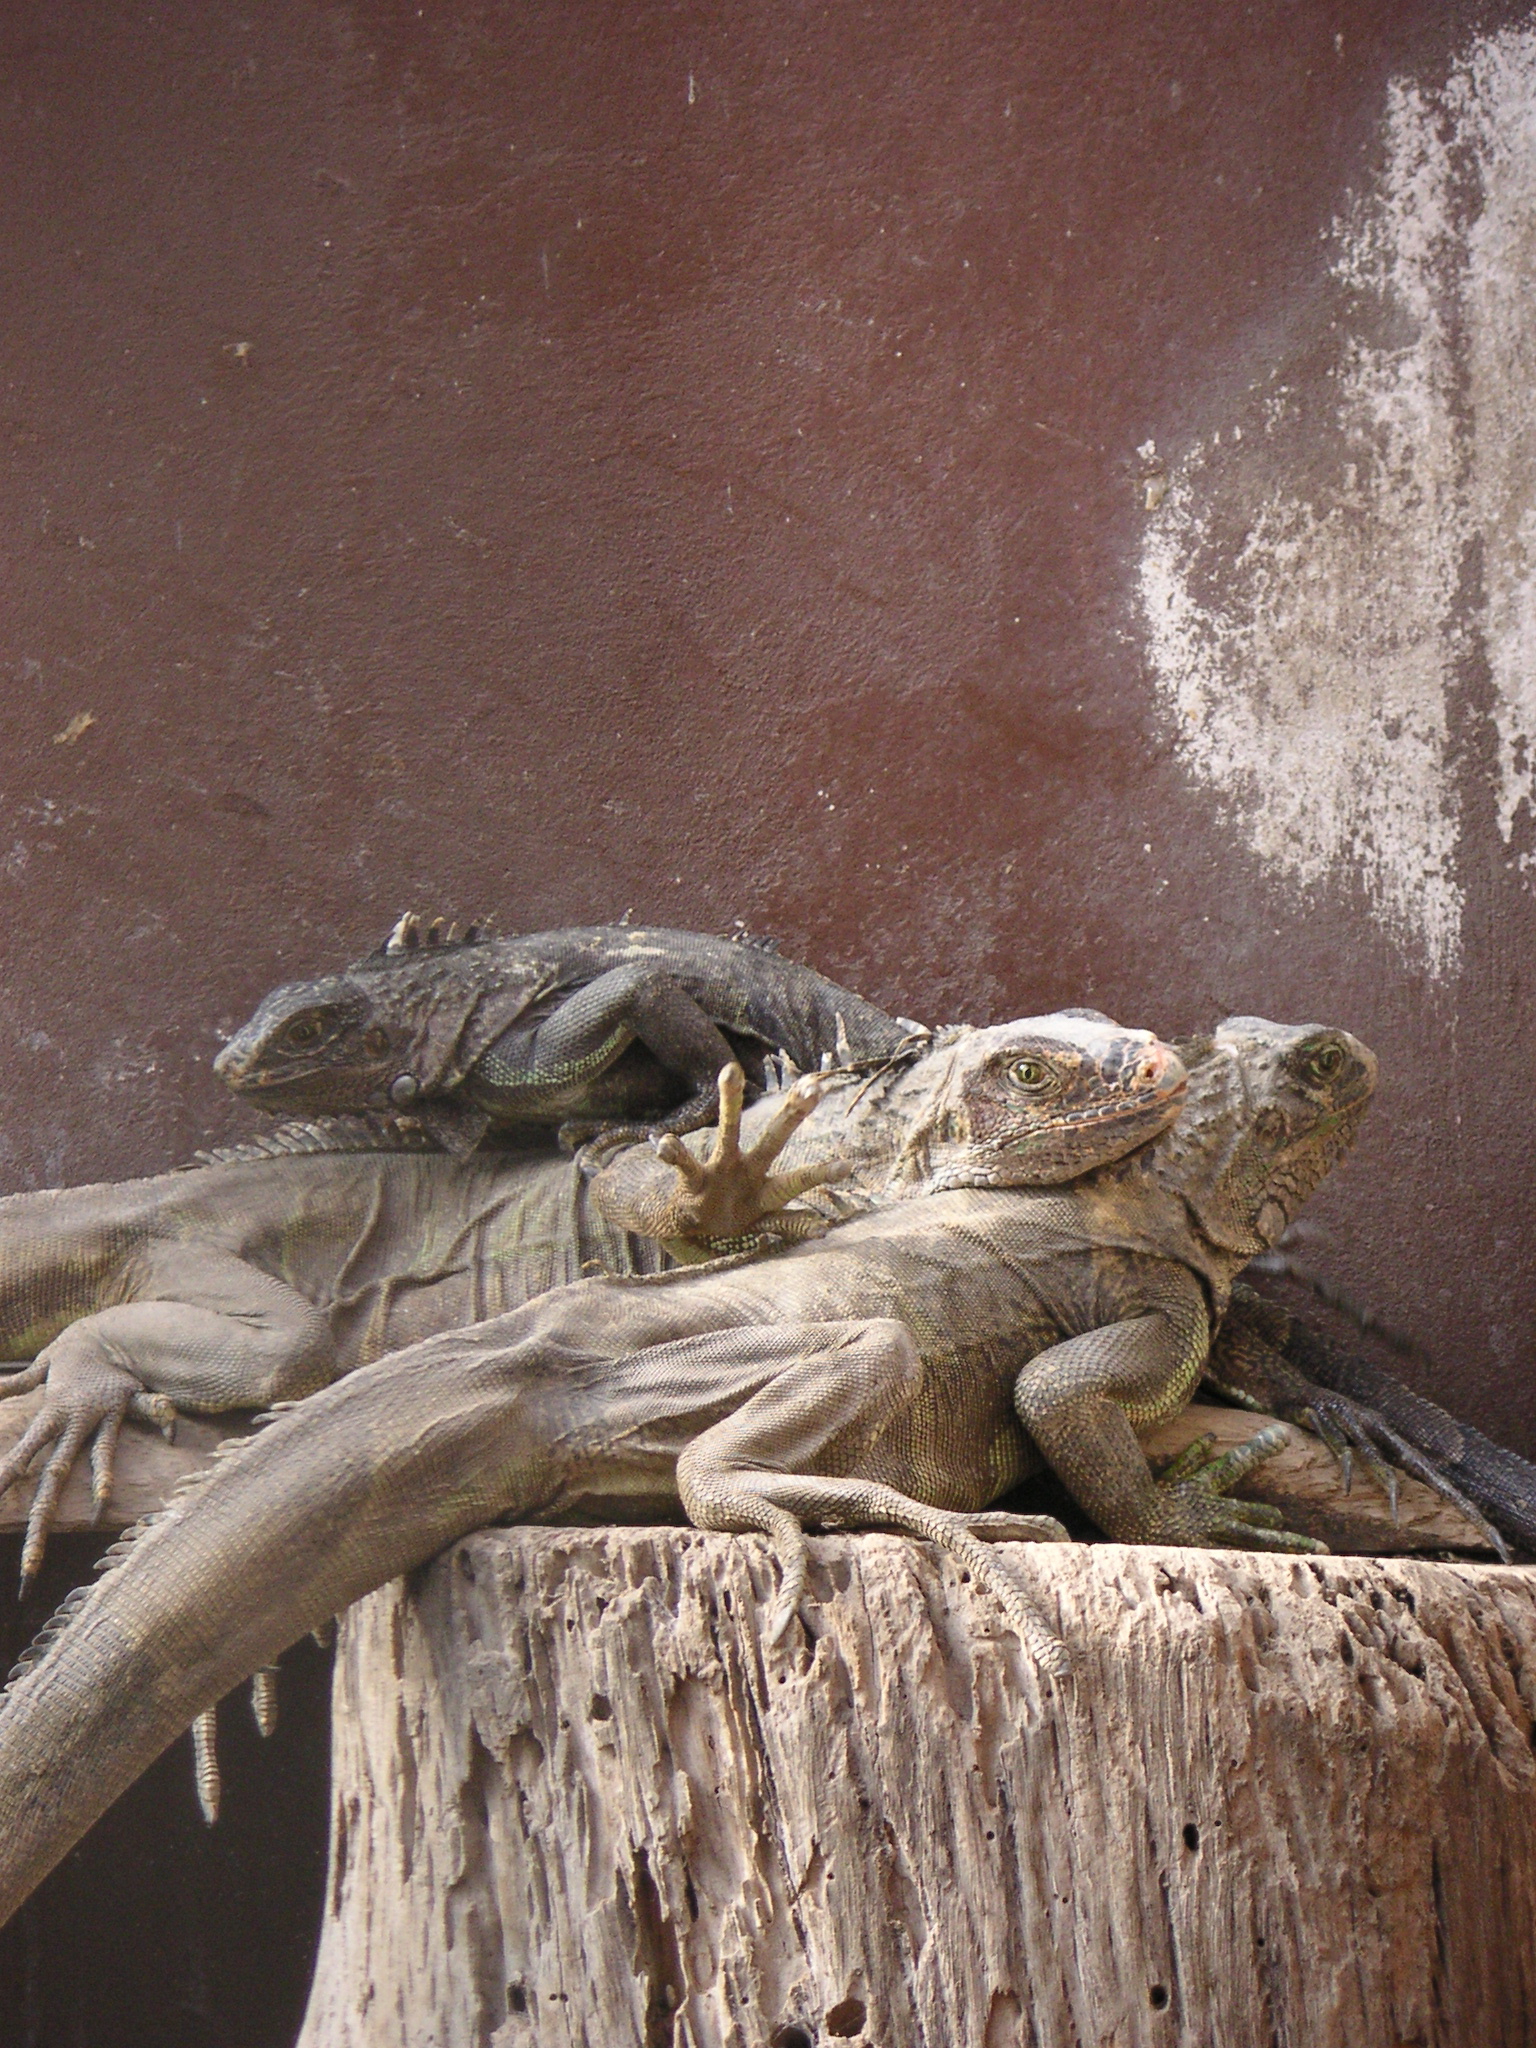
x=1326 y=560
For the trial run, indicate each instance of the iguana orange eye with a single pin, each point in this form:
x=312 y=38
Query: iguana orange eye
x=1033 y=1076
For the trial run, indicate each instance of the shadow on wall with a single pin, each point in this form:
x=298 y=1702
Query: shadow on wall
x=159 y=1931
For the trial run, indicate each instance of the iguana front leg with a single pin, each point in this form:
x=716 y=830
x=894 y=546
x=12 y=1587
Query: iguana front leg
x=205 y=1332
x=701 y=1207
x=541 y=1065
x=1081 y=1402
x=822 y=1443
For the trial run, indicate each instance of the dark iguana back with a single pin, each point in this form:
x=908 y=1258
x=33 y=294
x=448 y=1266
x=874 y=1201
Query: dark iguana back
x=601 y=1022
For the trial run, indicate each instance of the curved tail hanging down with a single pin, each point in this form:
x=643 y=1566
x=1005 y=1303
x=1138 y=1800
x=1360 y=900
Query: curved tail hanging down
x=330 y=1499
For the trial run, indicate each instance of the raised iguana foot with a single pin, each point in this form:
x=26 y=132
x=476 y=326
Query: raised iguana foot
x=1191 y=1508
x=87 y=1401
x=730 y=1196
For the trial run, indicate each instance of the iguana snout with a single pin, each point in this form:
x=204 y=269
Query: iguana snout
x=314 y=1047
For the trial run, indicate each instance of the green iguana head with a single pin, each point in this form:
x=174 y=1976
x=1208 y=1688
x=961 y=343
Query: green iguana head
x=1040 y=1100
x=409 y=1020
x=1271 y=1109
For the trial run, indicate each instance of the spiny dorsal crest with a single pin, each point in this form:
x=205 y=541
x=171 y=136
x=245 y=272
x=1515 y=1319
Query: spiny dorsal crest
x=362 y=1133
x=159 y=1519
x=412 y=934
x=740 y=935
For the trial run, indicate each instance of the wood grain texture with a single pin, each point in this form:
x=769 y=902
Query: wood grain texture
x=1281 y=1801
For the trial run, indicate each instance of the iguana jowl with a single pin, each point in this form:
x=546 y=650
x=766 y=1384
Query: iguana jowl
x=603 y=1024
x=908 y=1368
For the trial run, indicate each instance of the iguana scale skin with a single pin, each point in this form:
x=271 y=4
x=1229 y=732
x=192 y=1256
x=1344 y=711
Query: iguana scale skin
x=602 y=1023
x=258 y=1280
x=908 y=1368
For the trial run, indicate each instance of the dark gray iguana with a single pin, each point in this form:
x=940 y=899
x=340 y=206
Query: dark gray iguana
x=596 y=1025
x=1270 y=1361
x=907 y=1369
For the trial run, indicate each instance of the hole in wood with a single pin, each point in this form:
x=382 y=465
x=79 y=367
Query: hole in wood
x=1191 y=1836
x=1158 y=1996
x=846 y=2020
x=791 y=2037
x=517 y=1998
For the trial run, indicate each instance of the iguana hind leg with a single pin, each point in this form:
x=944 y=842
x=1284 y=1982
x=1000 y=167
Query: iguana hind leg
x=540 y=1066
x=206 y=1333
x=816 y=1444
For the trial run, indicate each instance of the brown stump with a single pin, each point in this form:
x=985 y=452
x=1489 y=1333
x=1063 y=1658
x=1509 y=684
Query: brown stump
x=1281 y=1801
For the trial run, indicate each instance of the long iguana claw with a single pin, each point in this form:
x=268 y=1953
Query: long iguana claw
x=88 y=1398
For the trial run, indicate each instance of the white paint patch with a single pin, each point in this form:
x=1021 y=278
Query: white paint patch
x=1496 y=110
x=1299 y=580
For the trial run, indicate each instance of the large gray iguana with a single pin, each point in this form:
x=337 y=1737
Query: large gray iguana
x=907 y=1369
x=259 y=1278
x=595 y=1025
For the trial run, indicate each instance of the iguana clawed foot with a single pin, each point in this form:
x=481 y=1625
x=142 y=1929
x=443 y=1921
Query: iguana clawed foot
x=88 y=1399
x=966 y=1538
x=731 y=1196
x=1248 y=1366
x=1351 y=1430
x=719 y=1494
x=1191 y=1487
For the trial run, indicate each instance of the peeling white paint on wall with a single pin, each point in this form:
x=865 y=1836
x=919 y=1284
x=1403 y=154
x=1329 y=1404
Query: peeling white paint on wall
x=1299 y=579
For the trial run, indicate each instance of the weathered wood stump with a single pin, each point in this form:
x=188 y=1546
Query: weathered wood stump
x=1281 y=1801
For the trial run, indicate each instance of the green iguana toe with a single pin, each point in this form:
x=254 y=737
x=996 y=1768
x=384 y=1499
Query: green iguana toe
x=1195 y=1481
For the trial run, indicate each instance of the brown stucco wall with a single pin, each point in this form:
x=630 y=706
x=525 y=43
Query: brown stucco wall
x=574 y=457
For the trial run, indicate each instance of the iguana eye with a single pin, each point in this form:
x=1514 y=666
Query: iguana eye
x=1323 y=1063
x=1033 y=1076
x=303 y=1032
